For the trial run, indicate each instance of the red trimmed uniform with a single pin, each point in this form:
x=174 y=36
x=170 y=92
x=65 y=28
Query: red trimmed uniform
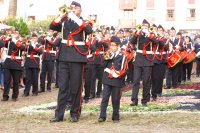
x=114 y=72
x=143 y=66
x=71 y=57
x=48 y=60
x=12 y=68
x=32 y=67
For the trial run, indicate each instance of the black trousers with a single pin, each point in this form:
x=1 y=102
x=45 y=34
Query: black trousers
x=47 y=69
x=8 y=73
x=32 y=75
x=198 y=66
x=130 y=72
x=98 y=74
x=89 y=75
x=70 y=88
x=115 y=92
x=157 y=76
x=57 y=72
x=172 y=76
x=145 y=74
x=188 y=68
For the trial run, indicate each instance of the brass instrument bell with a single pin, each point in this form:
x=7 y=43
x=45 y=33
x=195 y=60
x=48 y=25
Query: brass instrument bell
x=64 y=9
x=151 y=28
x=138 y=27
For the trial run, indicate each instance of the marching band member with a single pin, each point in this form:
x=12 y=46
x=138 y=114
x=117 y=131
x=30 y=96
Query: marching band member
x=143 y=62
x=115 y=68
x=72 y=58
x=101 y=47
x=12 y=65
x=48 y=60
x=32 y=65
x=176 y=45
x=189 y=48
x=89 y=70
x=160 y=61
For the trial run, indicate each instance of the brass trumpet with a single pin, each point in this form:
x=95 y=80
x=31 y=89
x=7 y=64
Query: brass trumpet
x=138 y=27
x=109 y=54
x=8 y=37
x=151 y=29
x=28 y=41
x=64 y=9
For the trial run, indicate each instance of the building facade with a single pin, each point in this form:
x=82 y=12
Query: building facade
x=182 y=14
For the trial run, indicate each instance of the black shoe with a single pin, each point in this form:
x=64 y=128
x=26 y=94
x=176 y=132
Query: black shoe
x=92 y=97
x=74 y=119
x=54 y=120
x=14 y=99
x=25 y=95
x=34 y=94
x=101 y=119
x=56 y=86
x=154 y=99
x=144 y=104
x=134 y=103
x=167 y=87
x=86 y=100
x=174 y=87
x=159 y=95
x=98 y=96
x=41 y=91
x=116 y=121
x=4 y=99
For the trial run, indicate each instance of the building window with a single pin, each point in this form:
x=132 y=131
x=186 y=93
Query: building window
x=128 y=14
x=170 y=15
x=150 y=4
x=170 y=3
x=191 y=14
x=191 y=1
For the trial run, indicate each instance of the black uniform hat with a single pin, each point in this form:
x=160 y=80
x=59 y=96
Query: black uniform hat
x=75 y=4
x=160 y=26
x=107 y=28
x=116 y=40
x=173 y=28
x=154 y=25
x=179 y=33
x=145 y=22
x=112 y=28
x=34 y=35
x=121 y=30
x=189 y=38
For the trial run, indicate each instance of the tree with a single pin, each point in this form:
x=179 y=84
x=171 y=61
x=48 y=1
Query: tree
x=18 y=24
x=12 y=11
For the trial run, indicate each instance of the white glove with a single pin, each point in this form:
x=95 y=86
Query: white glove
x=14 y=40
x=188 y=50
x=177 y=46
x=72 y=16
x=98 y=37
x=145 y=31
x=48 y=38
x=114 y=74
x=59 y=18
x=33 y=44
